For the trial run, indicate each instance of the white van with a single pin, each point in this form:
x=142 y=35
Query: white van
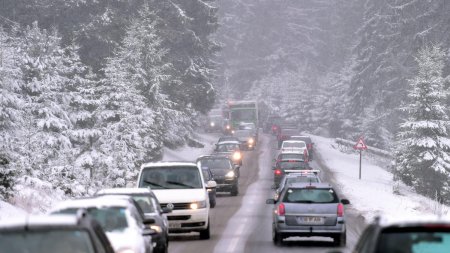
x=180 y=187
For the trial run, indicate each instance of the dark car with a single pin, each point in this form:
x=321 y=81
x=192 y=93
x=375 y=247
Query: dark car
x=419 y=234
x=285 y=134
x=246 y=138
x=308 y=141
x=214 y=123
x=208 y=176
x=54 y=234
x=307 y=210
x=283 y=167
x=224 y=172
x=151 y=208
x=231 y=149
x=272 y=124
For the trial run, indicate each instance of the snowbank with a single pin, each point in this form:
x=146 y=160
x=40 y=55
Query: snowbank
x=8 y=211
x=189 y=153
x=373 y=194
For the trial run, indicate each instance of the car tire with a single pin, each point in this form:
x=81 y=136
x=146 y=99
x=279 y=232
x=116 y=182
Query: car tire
x=234 y=190
x=340 y=240
x=276 y=238
x=162 y=248
x=205 y=234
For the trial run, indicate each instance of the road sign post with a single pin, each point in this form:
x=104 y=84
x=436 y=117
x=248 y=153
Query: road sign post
x=360 y=145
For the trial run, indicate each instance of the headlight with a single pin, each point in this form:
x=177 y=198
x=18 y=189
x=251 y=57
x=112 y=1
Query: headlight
x=212 y=124
x=230 y=174
x=251 y=141
x=157 y=228
x=198 y=205
x=237 y=156
x=228 y=127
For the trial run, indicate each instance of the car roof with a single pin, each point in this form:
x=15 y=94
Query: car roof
x=125 y=191
x=228 y=142
x=101 y=201
x=167 y=164
x=40 y=221
x=307 y=185
x=411 y=221
x=293 y=159
x=213 y=156
x=293 y=141
x=314 y=173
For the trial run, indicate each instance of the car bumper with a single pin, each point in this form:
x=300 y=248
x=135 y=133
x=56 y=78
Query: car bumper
x=311 y=230
x=181 y=221
x=226 y=187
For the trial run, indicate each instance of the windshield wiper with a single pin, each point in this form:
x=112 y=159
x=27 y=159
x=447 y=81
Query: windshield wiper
x=155 y=184
x=181 y=184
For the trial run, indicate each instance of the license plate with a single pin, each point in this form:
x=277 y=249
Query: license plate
x=311 y=220
x=174 y=225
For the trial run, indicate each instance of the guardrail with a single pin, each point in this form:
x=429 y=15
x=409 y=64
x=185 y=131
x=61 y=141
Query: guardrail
x=373 y=150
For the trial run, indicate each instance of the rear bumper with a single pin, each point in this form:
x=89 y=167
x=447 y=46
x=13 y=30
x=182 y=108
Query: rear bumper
x=308 y=231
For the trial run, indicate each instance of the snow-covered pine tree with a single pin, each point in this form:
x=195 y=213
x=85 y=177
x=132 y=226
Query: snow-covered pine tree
x=132 y=104
x=423 y=155
x=11 y=114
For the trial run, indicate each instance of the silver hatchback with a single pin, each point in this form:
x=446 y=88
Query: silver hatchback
x=309 y=209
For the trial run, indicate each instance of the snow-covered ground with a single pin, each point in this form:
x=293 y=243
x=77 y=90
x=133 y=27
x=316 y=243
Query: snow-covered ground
x=8 y=211
x=186 y=153
x=373 y=194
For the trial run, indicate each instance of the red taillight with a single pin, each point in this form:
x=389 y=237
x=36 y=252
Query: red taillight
x=305 y=154
x=340 y=210
x=281 y=209
x=278 y=172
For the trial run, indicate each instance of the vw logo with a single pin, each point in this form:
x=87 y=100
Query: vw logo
x=170 y=206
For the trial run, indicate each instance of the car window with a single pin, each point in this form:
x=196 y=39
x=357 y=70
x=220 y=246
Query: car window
x=109 y=218
x=294 y=145
x=46 y=241
x=310 y=195
x=292 y=165
x=177 y=177
x=290 y=156
x=215 y=164
x=414 y=241
x=144 y=203
x=206 y=175
x=227 y=147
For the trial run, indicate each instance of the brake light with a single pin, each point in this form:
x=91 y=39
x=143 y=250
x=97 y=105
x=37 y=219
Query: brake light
x=437 y=226
x=340 y=210
x=281 y=209
x=277 y=172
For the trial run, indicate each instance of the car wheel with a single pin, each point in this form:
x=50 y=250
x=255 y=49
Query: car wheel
x=205 y=234
x=234 y=190
x=340 y=240
x=276 y=238
x=162 y=248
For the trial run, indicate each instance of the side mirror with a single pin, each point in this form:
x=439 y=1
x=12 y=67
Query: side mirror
x=274 y=168
x=211 y=184
x=270 y=201
x=148 y=232
x=166 y=210
x=149 y=221
x=345 y=201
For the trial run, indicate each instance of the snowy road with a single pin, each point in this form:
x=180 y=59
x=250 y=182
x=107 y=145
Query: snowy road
x=243 y=223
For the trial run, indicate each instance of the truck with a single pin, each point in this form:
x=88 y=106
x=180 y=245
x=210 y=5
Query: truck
x=243 y=112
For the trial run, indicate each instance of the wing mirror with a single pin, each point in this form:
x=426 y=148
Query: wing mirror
x=149 y=221
x=345 y=201
x=211 y=184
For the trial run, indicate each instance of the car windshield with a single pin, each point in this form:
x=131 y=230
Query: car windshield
x=288 y=165
x=243 y=133
x=110 y=218
x=145 y=203
x=206 y=175
x=228 y=138
x=296 y=144
x=310 y=195
x=177 y=177
x=46 y=241
x=414 y=240
x=215 y=164
x=227 y=147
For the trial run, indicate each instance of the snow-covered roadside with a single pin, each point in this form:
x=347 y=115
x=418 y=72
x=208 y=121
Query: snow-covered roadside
x=373 y=194
x=187 y=153
x=8 y=211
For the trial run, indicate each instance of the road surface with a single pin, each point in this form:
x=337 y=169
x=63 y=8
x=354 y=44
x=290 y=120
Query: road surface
x=243 y=223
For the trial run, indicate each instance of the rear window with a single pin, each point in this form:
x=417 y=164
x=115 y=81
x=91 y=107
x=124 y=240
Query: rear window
x=46 y=241
x=292 y=165
x=414 y=240
x=299 y=144
x=110 y=218
x=310 y=195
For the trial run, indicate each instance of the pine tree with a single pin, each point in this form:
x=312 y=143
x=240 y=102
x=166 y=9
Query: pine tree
x=423 y=158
